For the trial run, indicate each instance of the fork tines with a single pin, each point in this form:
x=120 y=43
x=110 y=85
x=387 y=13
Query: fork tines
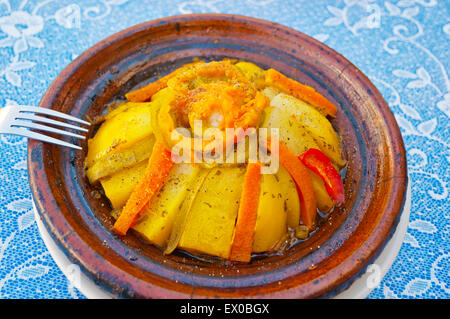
x=22 y=118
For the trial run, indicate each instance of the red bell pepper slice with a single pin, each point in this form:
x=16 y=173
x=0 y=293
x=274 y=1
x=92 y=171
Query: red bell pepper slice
x=319 y=163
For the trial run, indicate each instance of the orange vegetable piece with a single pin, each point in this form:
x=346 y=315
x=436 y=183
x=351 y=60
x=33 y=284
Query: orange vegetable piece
x=158 y=168
x=300 y=91
x=300 y=175
x=241 y=247
x=145 y=93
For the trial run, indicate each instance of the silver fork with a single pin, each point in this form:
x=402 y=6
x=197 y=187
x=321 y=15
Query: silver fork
x=17 y=120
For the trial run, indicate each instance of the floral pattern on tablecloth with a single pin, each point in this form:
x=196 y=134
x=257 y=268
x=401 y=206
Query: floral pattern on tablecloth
x=401 y=45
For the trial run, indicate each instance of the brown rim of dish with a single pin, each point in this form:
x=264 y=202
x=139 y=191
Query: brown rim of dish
x=124 y=277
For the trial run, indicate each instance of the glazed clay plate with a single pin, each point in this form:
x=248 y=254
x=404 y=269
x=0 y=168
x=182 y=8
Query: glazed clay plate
x=78 y=217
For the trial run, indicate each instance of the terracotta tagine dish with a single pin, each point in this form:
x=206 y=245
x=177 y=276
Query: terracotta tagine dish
x=228 y=157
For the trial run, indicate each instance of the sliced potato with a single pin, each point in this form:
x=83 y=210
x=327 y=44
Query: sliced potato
x=162 y=130
x=252 y=72
x=271 y=221
x=315 y=123
x=118 y=187
x=165 y=95
x=291 y=201
x=156 y=222
x=120 y=132
x=121 y=107
x=270 y=92
x=183 y=214
x=292 y=133
x=210 y=225
x=117 y=161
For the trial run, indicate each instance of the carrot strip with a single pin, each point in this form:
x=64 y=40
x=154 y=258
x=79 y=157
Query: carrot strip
x=158 y=168
x=241 y=247
x=301 y=177
x=300 y=91
x=145 y=93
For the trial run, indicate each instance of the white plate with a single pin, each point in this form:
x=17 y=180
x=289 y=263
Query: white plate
x=72 y=272
x=359 y=289
x=362 y=286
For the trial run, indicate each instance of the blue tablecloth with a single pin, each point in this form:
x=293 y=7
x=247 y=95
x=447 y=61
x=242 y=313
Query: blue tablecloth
x=401 y=45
